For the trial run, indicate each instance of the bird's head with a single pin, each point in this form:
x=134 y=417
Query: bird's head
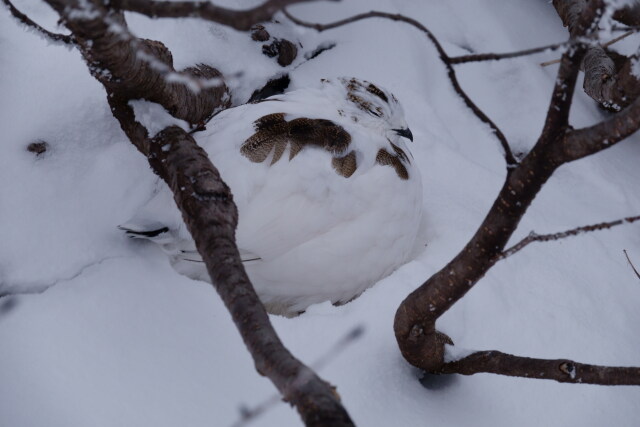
x=374 y=107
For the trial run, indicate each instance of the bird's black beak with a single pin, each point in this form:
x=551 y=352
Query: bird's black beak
x=404 y=132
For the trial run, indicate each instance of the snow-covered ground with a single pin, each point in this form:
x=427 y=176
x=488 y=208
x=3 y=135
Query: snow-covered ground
x=109 y=335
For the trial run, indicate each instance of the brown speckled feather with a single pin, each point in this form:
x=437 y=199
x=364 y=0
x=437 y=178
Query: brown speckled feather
x=346 y=165
x=274 y=133
x=385 y=158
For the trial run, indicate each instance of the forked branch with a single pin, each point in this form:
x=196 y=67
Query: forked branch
x=205 y=201
x=508 y=155
x=615 y=86
x=421 y=344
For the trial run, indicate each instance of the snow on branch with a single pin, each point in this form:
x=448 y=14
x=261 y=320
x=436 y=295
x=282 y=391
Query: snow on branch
x=138 y=68
x=510 y=159
x=561 y=370
x=419 y=341
x=615 y=86
x=239 y=19
x=629 y=14
x=534 y=237
x=131 y=68
x=211 y=217
x=29 y=23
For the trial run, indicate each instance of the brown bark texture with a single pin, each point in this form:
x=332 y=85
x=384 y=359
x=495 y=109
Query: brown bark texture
x=138 y=68
x=419 y=341
x=558 y=144
x=241 y=20
x=561 y=370
x=131 y=68
x=613 y=85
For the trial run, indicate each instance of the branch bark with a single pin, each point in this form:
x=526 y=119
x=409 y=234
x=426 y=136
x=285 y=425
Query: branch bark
x=241 y=20
x=463 y=59
x=534 y=237
x=613 y=87
x=510 y=159
x=54 y=37
x=628 y=15
x=561 y=370
x=131 y=68
x=420 y=343
x=211 y=217
x=137 y=68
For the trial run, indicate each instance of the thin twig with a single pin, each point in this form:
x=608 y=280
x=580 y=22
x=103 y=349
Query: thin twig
x=617 y=39
x=631 y=264
x=607 y=44
x=510 y=159
x=497 y=56
x=624 y=28
x=63 y=38
x=534 y=237
x=561 y=370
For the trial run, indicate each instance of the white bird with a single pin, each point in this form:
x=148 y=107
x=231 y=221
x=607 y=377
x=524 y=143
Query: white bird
x=328 y=194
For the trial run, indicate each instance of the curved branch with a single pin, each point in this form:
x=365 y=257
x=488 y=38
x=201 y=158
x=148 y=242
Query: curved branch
x=586 y=141
x=54 y=37
x=419 y=341
x=205 y=201
x=508 y=155
x=140 y=69
x=241 y=20
x=534 y=237
x=561 y=370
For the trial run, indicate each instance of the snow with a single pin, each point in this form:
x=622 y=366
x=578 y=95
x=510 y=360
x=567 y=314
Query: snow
x=119 y=338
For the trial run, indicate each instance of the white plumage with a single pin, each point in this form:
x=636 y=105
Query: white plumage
x=329 y=197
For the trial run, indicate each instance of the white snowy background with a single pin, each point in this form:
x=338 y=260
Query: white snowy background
x=105 y=333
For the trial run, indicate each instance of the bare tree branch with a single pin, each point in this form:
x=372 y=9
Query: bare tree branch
x=633 y=267
x=113 y=56
x=561 y=370
x=628 y=32
x=416 y=316
x=498 y=56
x=628 y=15
x=586 y=141
x=211 y=217
x=508 y=155
x=239 y=19
x=140 y=69
x=420 y=343
x=534 y=237
x=63 y=38
x=612 y=86
x=249 y=414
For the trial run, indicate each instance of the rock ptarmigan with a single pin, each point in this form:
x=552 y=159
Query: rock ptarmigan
x=328 y=194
